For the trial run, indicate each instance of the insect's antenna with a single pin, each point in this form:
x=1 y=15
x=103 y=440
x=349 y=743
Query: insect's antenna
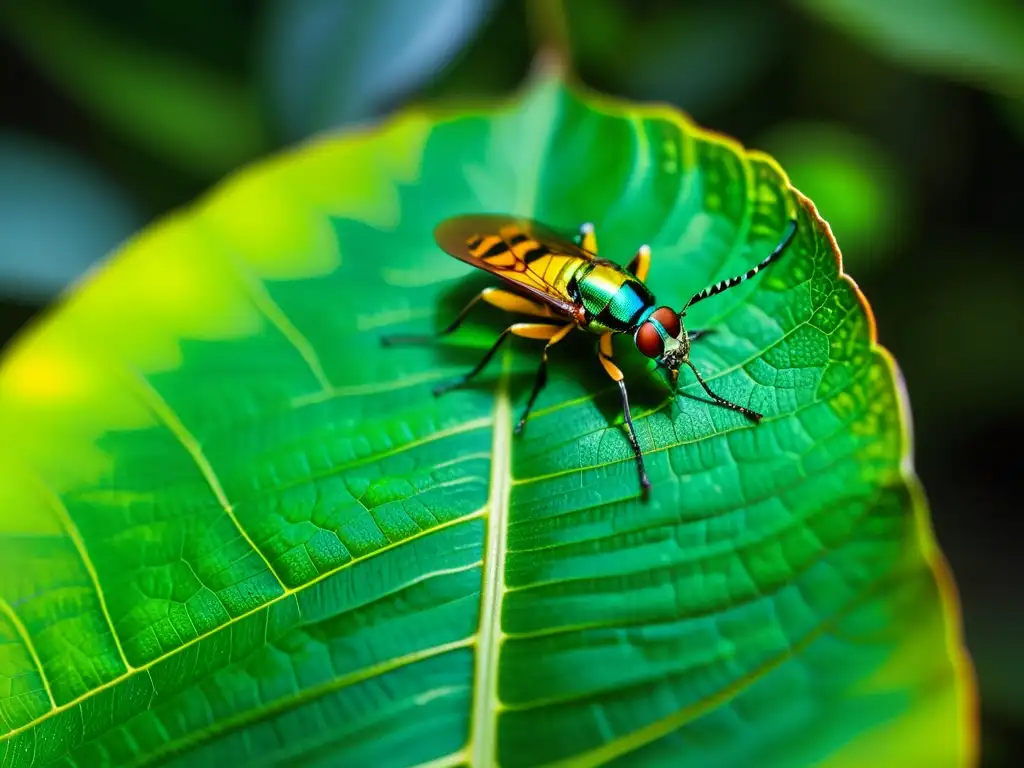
x=732 y=282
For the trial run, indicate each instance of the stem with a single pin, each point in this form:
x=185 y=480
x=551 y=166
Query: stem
x=550 y=28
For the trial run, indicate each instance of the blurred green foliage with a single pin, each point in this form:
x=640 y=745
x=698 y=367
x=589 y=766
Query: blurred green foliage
x=851 y=180
x=203 y=121
x=902 y=119
x=980 y=42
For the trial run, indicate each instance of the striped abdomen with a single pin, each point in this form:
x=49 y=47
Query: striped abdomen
x=614 y=300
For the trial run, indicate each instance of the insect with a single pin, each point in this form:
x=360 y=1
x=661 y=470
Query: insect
x=562 y=281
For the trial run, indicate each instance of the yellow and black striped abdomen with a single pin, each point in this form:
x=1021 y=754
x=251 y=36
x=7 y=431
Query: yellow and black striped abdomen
x=597 y=294
x=530 y=259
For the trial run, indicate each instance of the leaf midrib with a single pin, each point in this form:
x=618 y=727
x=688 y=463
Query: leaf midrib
x=481 y=746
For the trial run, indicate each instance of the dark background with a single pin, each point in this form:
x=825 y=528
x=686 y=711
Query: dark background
x=906 y=129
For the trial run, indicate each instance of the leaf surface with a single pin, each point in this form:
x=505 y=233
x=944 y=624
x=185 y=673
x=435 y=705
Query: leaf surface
x=235 y=528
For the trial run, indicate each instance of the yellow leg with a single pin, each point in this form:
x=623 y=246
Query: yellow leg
x=496 y=297
x=588 y=238
x=542 y=372
x=604 y=353
x=543 y=331
x=641 y=263
x=513 y=302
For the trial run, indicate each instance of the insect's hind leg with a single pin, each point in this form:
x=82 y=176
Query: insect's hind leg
x=496 y=297
x=604 y=354
x=587 y=238
x=542 y=373
x=526 y=330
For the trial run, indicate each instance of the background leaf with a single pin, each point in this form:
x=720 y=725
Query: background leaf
x=852 y=184
x=330 y=63
x=191 y=115
x=234 y=527
x=978 y=42
x=701 y=55
x=57 y=216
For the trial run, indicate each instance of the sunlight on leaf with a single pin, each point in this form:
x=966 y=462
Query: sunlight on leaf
x=234 y=527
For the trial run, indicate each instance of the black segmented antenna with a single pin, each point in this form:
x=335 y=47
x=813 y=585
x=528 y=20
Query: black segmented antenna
x=732 y=282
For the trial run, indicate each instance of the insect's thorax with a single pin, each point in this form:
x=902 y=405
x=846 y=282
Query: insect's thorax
x=614 y=300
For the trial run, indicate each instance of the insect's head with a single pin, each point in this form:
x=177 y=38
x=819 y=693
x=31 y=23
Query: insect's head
x=663 y=338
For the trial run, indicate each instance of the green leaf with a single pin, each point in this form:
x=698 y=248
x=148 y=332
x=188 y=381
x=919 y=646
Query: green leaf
x=194 y=117
x=235 y=528
x=980 y=43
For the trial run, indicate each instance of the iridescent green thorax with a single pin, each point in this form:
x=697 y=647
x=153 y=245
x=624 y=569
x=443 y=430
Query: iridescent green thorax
x=614 y=299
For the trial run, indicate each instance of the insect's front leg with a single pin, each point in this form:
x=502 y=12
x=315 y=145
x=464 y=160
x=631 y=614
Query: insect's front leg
x=699 y=334
x=752 y=415
x=604 y=354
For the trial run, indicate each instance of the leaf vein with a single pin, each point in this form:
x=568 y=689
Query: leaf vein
x=285 y=595
x=188 y=441
x=26 y=639
x=482 y=739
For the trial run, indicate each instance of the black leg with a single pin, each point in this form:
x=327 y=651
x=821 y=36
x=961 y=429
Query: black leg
x=389 y=341
x=694 y=335
x=538 y=385
x=456 y=383
x=542 y=375
x=645 y=484
x=754 y=415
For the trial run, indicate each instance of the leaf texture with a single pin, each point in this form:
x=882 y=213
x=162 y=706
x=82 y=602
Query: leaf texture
x=233 y=527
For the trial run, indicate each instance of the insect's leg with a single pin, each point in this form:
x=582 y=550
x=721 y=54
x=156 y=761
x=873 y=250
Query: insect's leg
x=526 y=330
x=753 y=415
x=641 y=263
x=699 y=334
x=732 y=282
x=506 y=300
x=587 y=238
x=604 y=354
x=542 y=373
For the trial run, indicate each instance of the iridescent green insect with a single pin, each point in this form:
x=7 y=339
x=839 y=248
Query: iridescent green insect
x=563 y=281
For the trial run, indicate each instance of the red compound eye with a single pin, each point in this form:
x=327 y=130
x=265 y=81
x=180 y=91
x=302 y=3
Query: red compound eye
x=648 y=341
x=669 y=320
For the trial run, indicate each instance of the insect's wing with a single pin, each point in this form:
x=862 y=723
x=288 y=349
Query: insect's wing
x=529 y=256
